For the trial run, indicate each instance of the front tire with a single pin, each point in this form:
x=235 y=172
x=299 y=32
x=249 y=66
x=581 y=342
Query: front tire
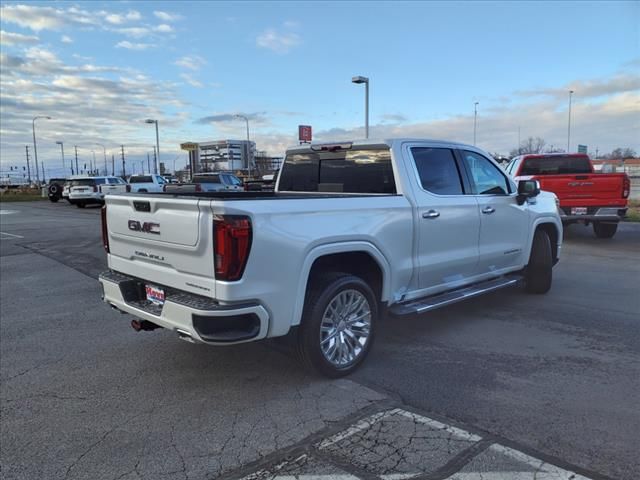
x=605 y=230
x=338 y=324
x=538 y=274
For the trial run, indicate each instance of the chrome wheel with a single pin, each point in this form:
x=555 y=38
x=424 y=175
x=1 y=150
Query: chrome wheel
x=345 y=327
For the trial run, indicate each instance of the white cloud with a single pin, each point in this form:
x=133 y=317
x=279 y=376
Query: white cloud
x=39 y=18
x=163 y=28
x=167 y=16
x=114 y=19
x=66 y=39
x=590 y=88
x=11 y=38
x=278 y=42
x=134 y=32
x=192 y=62
x=191 y=81
x=134 y=46
x=133 y=15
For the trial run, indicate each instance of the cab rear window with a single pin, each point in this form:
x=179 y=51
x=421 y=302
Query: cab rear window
x=555 y=165
x=348 y=171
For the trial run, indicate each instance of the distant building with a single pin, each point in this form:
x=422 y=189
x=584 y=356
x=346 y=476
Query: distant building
x=237 y=156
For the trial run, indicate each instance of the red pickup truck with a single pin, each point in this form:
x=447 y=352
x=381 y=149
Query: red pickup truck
x=585 y=196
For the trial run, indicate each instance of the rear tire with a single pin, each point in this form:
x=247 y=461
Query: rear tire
x=80 y=205
x=53 y=199
x=538 y=274
x=605 y=230
x=338 y=324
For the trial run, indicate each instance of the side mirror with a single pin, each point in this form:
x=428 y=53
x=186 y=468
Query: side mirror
x=527 y=189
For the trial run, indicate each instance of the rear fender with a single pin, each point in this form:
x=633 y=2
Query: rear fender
x=330 y=249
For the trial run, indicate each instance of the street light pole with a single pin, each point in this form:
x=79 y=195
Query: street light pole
x=77 y=170
x=150 y=120
x=569 y=127
x=35 y=148
x=62 y=151
x=475 y=121
x=365 y=80
x=248 y=144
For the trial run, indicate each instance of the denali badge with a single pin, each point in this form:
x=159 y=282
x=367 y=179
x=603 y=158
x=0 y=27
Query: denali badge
x=146 y=227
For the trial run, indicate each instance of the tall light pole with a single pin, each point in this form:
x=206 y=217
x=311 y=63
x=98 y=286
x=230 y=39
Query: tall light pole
x=475 y=121
x=248 y=144
x=364 y=80
x=62 y=152
x=569 y=127
x=150 y=120
x=77 y=170
x=35 y=148
x=104 y=152
x=94 y=168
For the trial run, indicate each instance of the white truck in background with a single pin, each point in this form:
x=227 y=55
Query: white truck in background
x=353 y=230
x=146 y=183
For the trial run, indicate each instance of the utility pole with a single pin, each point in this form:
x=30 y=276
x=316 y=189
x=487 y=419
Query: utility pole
x=475 y=121
x=44 y=180
x=519 y=148
x=124 y=173
x=77 y=169
x=569 y=127
x=26 y=147
x=113 y=165
x=148 y=162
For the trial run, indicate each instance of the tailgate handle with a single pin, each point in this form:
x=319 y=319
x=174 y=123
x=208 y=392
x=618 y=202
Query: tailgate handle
x=141 y=206
x=582 y=177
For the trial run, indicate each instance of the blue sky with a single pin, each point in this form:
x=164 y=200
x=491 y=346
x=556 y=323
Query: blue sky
x=101 y=68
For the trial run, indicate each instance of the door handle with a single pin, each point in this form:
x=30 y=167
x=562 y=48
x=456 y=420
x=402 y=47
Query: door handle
x=431 y=214
x=488 y=210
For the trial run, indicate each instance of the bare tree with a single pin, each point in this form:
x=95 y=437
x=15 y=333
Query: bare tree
x=530 y=145
x=620 y=153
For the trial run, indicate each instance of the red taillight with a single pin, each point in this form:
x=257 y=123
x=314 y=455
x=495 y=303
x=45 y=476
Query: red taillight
x=128 y=188
x=626 y=186
x=232 y=245
x=198 y=187
x=105 y=232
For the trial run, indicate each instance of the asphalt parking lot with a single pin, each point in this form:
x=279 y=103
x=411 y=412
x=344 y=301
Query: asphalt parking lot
x=509 y=385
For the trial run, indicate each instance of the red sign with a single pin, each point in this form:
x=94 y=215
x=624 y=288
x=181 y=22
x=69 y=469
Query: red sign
x=304 y=133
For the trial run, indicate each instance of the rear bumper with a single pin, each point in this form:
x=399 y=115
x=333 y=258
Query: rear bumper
x=194 y=317
x=87 y=197
x=597 y=214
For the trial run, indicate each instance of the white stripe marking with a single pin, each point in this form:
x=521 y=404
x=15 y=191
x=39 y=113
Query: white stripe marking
x=8 y=212
x=369 y=421
x=11 y=235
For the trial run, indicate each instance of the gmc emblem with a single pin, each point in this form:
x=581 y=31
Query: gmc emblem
x=146 y=227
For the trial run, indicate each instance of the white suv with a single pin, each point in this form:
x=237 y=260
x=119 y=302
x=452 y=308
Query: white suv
x=86 y=190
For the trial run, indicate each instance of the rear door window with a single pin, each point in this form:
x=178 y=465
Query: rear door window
x=83 y=182
x=438 y=170
x=206 y=179
x=360 y=170
x=141 y=179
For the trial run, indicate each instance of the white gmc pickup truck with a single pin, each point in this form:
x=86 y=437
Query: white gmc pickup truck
x=353 y=231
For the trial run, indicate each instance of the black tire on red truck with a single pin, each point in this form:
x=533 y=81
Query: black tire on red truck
x=605 y=229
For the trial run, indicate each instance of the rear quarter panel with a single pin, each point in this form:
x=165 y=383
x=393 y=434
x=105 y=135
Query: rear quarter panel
x=288 y=235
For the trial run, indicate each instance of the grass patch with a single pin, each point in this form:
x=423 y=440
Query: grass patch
x=21 y=196
x=633 y=214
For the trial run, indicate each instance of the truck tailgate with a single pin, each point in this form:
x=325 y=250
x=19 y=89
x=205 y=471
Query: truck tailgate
x=595 y=189
x=167 y=241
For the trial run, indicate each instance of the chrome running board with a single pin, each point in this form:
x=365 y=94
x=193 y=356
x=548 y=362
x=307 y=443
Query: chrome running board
x=425 y=304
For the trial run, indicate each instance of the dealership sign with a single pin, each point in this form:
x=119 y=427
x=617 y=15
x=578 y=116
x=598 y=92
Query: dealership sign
x=189 y=146
x=304 y=133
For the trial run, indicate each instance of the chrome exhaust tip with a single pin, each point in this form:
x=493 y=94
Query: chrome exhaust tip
x=186 y=336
